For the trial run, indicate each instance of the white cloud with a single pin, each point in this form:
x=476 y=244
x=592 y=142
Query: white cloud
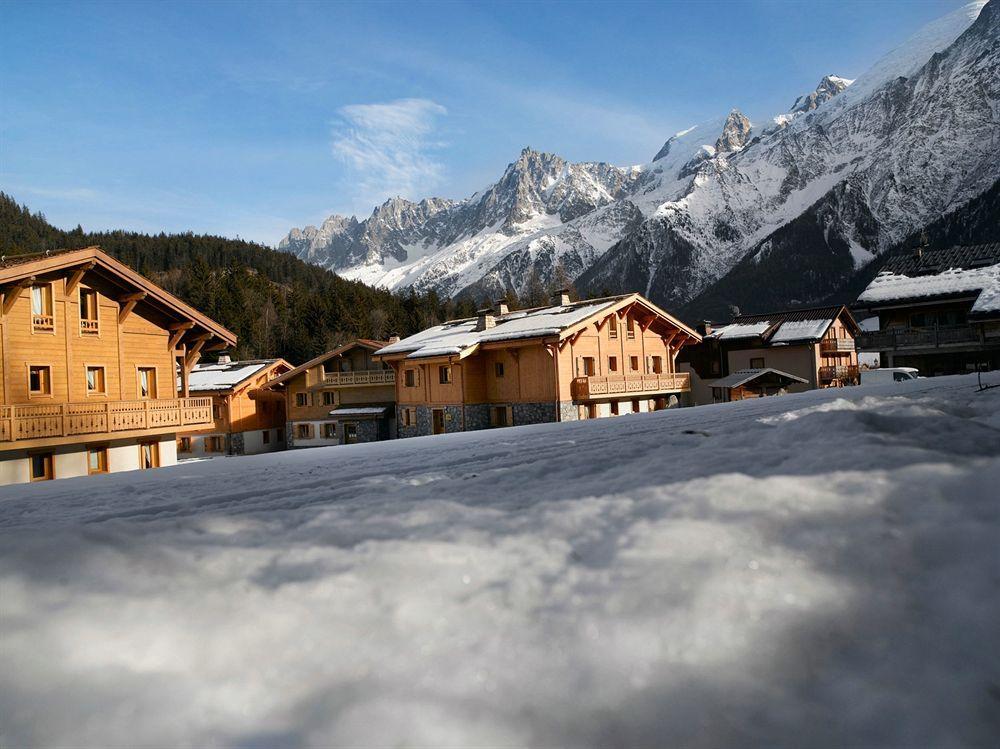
x=388 y=148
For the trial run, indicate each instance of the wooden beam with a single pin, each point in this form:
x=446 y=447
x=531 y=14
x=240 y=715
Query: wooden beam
x=128 y=303
x=77 y=276
x=179 y=329
x=12 y=294
x=194 y=353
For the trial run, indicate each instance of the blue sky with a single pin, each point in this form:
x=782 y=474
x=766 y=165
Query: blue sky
x=245 y=119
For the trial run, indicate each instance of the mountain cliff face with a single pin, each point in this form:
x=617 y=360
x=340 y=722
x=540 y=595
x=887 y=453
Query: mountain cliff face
x=726 y=208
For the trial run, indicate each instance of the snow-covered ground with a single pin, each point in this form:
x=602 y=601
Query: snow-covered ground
x=812 y=570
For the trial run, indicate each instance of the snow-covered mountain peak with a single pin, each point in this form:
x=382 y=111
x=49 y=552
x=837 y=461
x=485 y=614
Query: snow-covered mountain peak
x=735 y=133
x=830 y=86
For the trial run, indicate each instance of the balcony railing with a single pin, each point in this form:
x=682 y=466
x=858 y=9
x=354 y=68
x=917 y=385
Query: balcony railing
x=361 y=377
x=847 y=373
x=590 y=387
x=886 y=340
x=41 y=421
x=90 y=327
x=836 y=345
x=43 y=323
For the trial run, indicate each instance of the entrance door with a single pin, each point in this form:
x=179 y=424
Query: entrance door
x=437 y=417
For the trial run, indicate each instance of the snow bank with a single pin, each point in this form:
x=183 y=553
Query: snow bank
x=816 y=569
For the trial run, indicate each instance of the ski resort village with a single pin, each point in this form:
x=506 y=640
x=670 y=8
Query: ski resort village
x=700 y=452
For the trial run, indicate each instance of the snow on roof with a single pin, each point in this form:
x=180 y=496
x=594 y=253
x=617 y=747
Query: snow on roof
x=744 y=376
x=888 y=286
x=359 y=411
x=225 y=376
x=988 y=302
x=452 y=338
x=800 y=330
x=741 y=330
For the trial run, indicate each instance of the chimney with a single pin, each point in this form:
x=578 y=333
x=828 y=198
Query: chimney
x=225 y=359
x=394 y=338
x=486 y=320
x=561 y=297
x=704 y=328
x=502 y=307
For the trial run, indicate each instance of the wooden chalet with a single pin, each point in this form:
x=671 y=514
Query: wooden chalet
x=340 y=397
x=567 y=361
x=90 y=356
x=244 y=422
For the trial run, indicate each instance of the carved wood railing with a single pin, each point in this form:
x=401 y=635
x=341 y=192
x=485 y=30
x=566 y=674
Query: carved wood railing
x=588 y=387
x=847 y=373
x=43 y=323
x=90 y=327
x=836 y=345
x=361 y=377
x=39 y=421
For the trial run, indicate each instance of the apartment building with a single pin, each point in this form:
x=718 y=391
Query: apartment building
x=90 y=352
x=570 y=360
x=245 y=419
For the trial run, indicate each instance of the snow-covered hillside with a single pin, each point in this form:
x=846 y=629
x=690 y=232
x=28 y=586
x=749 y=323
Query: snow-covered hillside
x=850 y=170
x=816 y=569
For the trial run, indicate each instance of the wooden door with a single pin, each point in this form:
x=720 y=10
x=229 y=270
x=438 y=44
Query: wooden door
x=437 y=416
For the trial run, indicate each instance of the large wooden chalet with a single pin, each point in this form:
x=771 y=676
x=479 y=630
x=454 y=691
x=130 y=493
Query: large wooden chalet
x=567 y=361
x=90 y=352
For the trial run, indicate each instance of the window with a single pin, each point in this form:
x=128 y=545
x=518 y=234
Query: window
x=444 y=375
x=635 y=406
x=633 y=363
x=658 y=364
x=40 y=465
x=589 y=370
x=265 y=436
x=301 y=399
x=217 y=411
x=498 y=369
x=591 y=410
x=757 y=362
x=149 y=455
x=42 y=319
x=630 y=323
x=95 y=381
x=97 y=459
x=614 y=408
x=213 y=444
x=329 y=398
x=184 y=445
x=410 y=378
x=409 y=416
x=39 y=380
x=89 y=320
x=304 y=431
x=330 y=430
x=612 y=363
x=613 y=329
x=147 y=382
x=350 y=434
x=919 y=320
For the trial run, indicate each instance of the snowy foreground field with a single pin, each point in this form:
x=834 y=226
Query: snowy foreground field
x=811 y=570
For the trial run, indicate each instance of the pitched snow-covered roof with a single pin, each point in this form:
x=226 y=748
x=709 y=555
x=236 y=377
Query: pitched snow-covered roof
x=801 y=330
x=744 y=376
x=782 y=328
x=227 y=375
x=735 y=331
x=452 y=338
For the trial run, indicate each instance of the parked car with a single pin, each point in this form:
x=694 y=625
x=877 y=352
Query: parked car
x=888 y=374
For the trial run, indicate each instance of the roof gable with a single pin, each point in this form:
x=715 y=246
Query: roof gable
x=365 y=343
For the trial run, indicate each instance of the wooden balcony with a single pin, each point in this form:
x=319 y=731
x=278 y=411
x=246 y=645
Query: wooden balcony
x=895 y=340
x=361 y=377
x=54 y=423
x=43 y=323
x=90 y=327
x=585 y=388
x=836 y=346
x=847 y=373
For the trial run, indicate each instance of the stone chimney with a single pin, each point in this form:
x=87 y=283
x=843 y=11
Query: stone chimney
x=486 y=320
x=225 y=359
x=394 y=338
x=561 y=297
x=704 y=328
x=502 y=307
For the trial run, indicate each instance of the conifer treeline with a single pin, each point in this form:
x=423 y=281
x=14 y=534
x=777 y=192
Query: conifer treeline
x=276 y=304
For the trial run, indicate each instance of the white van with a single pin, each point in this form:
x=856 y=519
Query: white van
x=888 y=374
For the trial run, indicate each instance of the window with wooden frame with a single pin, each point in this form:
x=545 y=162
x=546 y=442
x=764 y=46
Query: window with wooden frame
x=498 y=369
x=213 y=444
x=149 y=455
x=40 y=466
x=657 y=365
x=630 y=327
x=330 y=430
x=146 y=379
x=591 y=410
x=612 y=329
x=39 y=380
x=89 y=315
x=612 y=363
x=301 y=399
x=183 y=444
x=444 y=374
x=304 y=431
x=329 y=398
x=350 y=434
x=757 y=362
x=410 y=378
x=409 y=417
x=217 y=412
x=97 y=459
x=589 y=368
x=633 y=363
x=42 y=317
x=635 y=406
x=96 y=381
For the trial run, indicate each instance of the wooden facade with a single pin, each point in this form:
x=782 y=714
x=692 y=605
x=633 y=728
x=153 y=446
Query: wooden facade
x=89 y=356
x=245 y=420
x=605 y=357
x=339 y=397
